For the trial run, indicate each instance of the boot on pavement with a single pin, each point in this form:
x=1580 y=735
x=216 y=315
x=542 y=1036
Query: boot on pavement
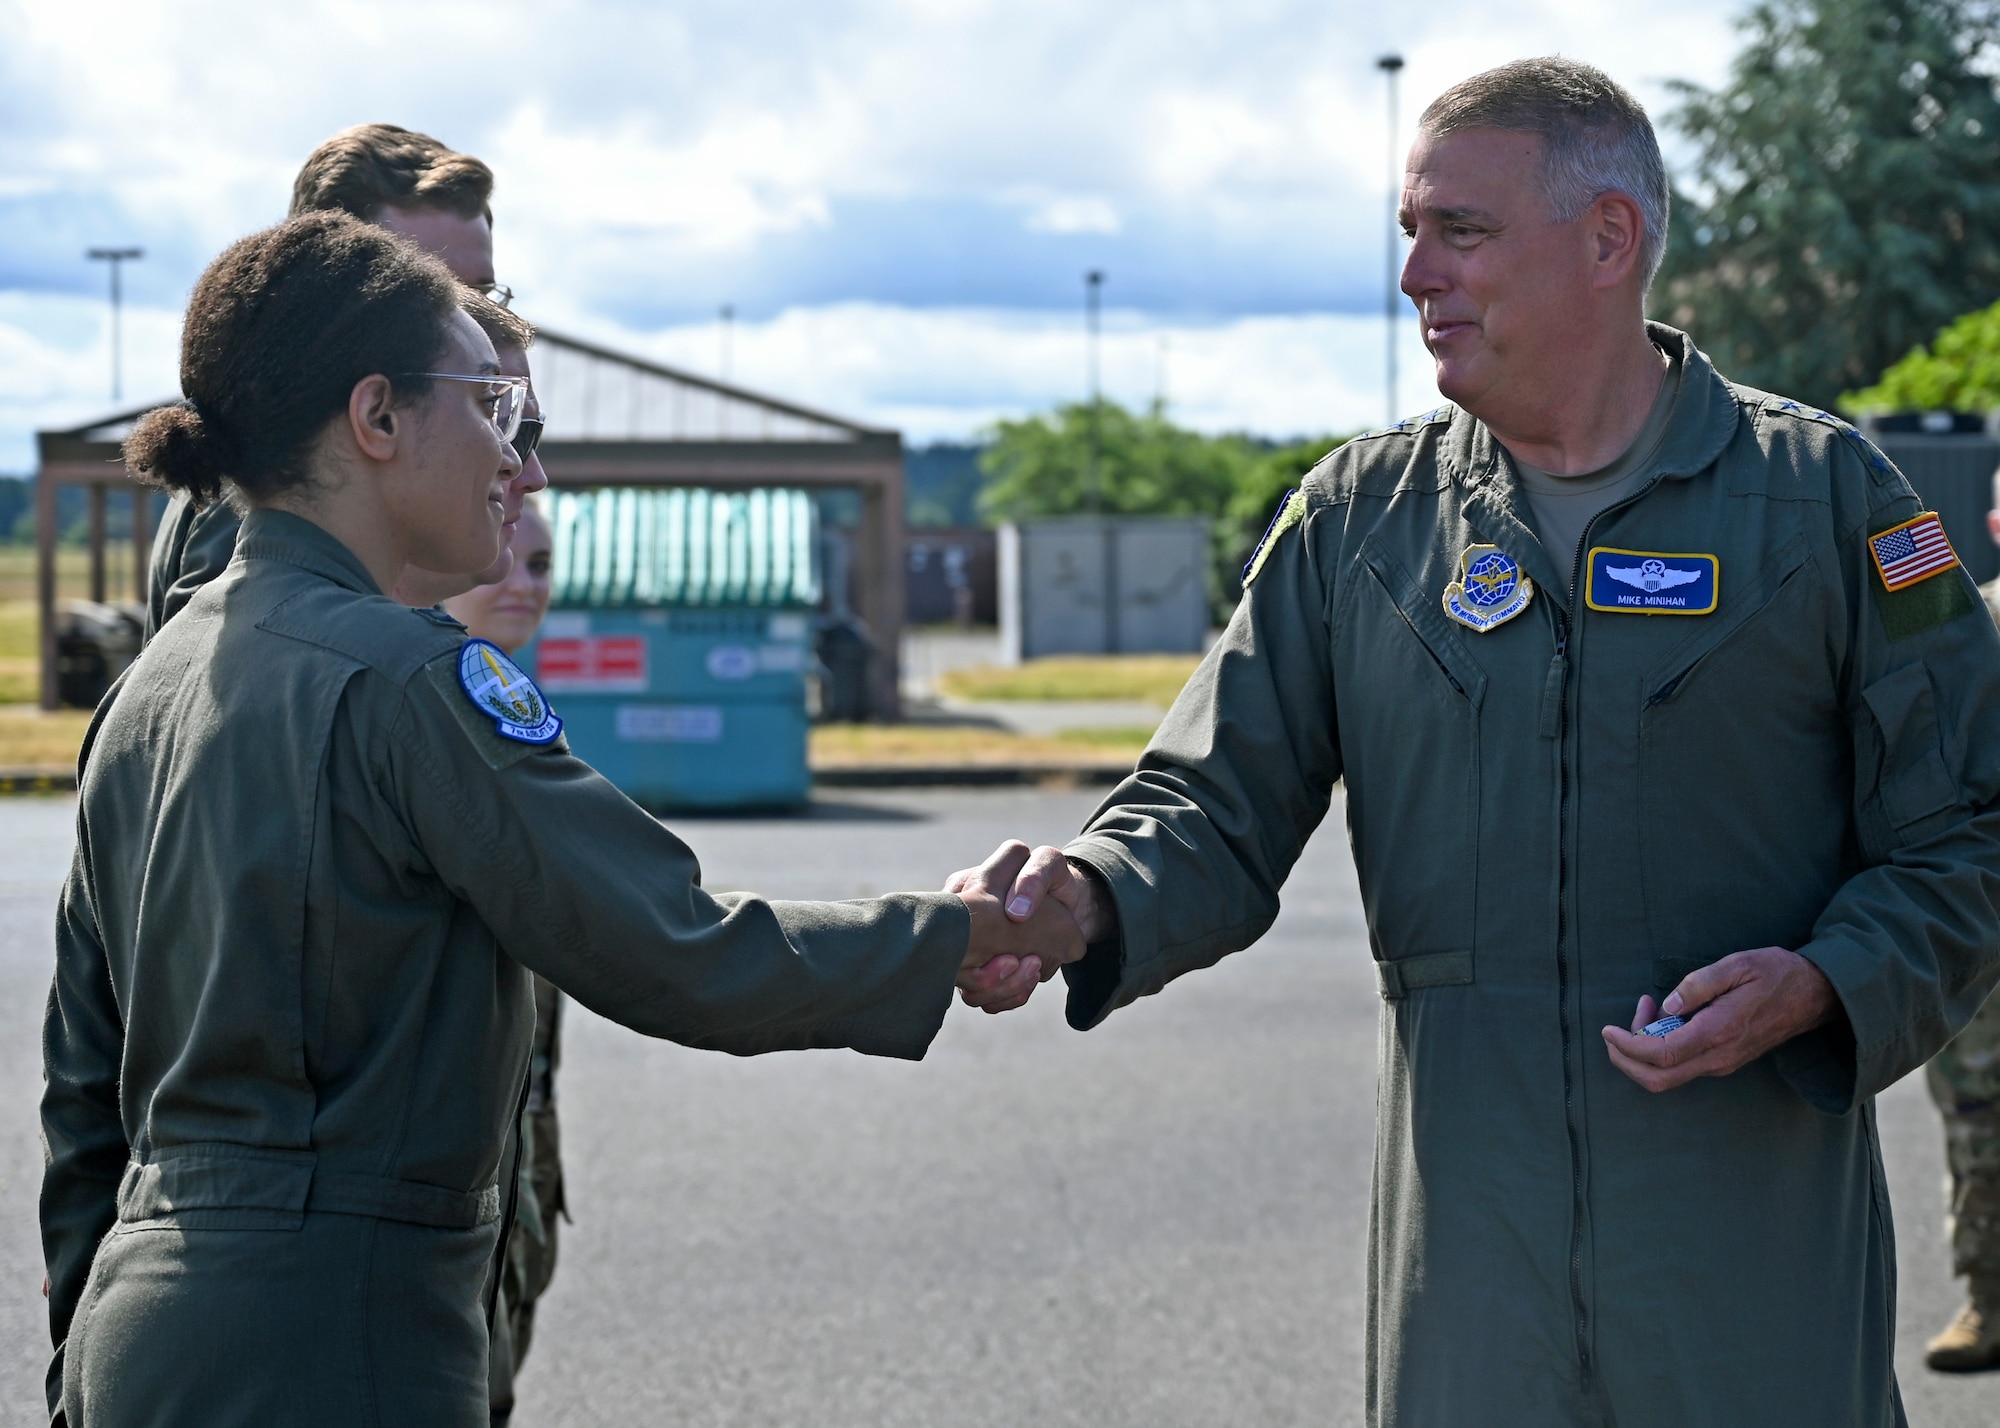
x=1971 y=1342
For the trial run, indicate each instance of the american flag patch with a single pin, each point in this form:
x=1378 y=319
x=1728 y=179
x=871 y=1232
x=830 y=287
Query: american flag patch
x=1915 y=550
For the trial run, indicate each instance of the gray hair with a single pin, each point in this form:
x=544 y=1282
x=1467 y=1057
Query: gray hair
x=1596 y=139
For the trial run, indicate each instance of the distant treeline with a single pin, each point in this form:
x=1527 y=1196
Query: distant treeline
x=17 y=513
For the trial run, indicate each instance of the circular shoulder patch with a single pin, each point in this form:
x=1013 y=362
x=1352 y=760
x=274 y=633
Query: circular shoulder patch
x=500 y=689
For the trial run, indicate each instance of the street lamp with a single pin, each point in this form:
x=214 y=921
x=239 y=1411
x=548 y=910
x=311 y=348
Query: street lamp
x=1093 y=285
x=115 y=257
x=1391 y=65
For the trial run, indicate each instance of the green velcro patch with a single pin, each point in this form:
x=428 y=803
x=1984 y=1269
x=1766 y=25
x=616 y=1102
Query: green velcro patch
x=1290 y=513
x=1922 y=606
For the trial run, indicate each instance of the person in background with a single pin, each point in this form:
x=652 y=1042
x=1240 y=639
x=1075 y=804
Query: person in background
x=1964 y=1081
x=397 y=179
x=509 y=613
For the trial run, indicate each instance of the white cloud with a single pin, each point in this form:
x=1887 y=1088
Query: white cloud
x=940 y=374
x=897 y=194
x=1074 y=213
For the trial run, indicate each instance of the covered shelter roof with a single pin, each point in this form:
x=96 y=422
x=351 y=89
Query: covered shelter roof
x=614 y=419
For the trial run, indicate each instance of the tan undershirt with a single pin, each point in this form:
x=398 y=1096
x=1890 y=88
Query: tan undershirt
x=1562 y=506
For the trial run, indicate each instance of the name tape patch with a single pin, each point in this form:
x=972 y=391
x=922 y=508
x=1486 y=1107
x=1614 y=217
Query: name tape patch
x=1914 y=551
x=500 y=689
x=1651 y=582
x=1491 y=588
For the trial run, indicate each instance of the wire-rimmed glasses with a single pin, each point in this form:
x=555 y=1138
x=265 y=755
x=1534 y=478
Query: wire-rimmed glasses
x=506 y=398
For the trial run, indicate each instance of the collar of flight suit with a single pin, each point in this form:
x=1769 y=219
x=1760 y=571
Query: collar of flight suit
x=1704 y=421
x=282 y=536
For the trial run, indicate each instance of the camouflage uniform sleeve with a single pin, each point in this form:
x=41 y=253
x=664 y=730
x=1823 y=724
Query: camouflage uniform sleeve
x=83 y=1038
x=1196 y=844
x=1908 y=942
x=592 y=892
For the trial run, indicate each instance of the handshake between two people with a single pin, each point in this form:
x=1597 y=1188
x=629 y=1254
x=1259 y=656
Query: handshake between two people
x=1033 y=912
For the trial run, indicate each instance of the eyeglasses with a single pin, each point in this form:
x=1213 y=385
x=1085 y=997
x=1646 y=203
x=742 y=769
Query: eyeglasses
x=506 y=398
x=498 y=292
x=529 y=436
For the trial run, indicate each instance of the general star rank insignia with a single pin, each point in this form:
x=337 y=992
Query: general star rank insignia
x=500 y=689
x=1491 y=589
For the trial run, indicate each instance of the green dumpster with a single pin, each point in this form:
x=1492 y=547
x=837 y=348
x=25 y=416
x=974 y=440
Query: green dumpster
x=679 y=639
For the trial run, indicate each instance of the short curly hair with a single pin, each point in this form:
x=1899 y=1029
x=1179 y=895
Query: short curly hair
x=372 y=166
x=278 y=331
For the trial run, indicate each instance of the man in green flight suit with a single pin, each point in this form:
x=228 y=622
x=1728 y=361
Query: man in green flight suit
x=1670 y=733
x=1964 y=1080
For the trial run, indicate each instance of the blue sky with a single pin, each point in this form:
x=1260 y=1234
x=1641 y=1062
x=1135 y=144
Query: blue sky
x=898 y=197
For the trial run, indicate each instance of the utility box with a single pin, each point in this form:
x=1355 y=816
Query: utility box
x=679 y=640
x=1950 y=458
x=1103 y=585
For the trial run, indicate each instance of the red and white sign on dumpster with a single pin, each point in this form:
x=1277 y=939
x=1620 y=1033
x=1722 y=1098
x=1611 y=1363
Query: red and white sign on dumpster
x=592 y=664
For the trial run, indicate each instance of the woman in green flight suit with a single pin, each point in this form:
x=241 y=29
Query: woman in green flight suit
x=283 y=1047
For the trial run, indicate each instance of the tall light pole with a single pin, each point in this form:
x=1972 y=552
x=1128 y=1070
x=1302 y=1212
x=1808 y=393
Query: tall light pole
x=116 y=257
x=1093 y=284
x=728 y=322
x=1391 y=65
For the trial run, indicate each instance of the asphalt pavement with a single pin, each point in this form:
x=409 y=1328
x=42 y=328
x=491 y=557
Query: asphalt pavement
x=1159 y=1223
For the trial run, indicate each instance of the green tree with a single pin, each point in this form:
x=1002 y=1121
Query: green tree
x=1845 y=194
x=1254 y=503
x=1146 y=465
x=1959 y=372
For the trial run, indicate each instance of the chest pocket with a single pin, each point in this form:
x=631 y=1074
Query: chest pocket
x=1743 y=763
x=1411 y=741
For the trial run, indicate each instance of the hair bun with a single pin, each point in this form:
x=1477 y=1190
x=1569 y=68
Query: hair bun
x=175 y=446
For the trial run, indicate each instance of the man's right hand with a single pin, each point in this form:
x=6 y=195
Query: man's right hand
x=1009 y=952
x=1034 y=884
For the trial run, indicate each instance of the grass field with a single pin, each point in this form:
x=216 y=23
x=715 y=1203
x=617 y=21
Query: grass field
x=17 y=571
x=19 y=636
x=30 y=739
x=951 y=746
x=1151 y=679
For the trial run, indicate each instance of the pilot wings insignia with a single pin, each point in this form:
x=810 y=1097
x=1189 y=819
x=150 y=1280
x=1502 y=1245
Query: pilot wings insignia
x=1652 y=575
x=1650 y=582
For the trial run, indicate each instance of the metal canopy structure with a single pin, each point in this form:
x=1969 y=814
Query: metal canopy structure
x=619 y=420
x=90 y=456
x=613 y=420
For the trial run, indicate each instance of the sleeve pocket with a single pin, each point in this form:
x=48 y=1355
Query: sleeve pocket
x=1913 y=781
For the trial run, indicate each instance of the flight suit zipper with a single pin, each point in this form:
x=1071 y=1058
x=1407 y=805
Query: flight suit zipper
x=1559 y=676
x=1560 y=669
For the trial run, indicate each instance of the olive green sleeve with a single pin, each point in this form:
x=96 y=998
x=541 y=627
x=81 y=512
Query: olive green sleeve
x=1195 y=845
x=1911 y=942
x=190 y=549
x=83 y=1136
x=586 y=888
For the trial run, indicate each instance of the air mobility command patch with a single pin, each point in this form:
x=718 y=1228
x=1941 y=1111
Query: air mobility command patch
x=1491 y=588
x=498 y=688
x=1907 y=556
x=1291 y=511
x=1651 y=582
